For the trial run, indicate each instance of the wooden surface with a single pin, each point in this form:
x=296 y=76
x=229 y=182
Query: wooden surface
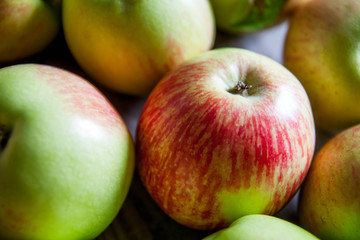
x=140 y=217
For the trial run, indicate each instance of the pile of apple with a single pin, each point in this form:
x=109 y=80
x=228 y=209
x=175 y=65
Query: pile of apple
x=225 y=139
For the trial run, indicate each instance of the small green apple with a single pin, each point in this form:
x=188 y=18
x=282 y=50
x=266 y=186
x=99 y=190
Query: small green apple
x=27 y=27
x=129 y=45
x=261 y=227
x=329 y=202
x=238 y=16
x=322 y=50
x=66 y=156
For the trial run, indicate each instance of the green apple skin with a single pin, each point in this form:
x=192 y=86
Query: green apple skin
x=67 y=164
x=238 y=16
x=129 y=45
x=261 y=227
x=329 y=202
x=209 y=155
x=27 y=27
x=321 y=50
x=244 y=16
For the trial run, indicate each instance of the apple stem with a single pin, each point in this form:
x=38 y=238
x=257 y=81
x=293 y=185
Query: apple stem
x=240 y=88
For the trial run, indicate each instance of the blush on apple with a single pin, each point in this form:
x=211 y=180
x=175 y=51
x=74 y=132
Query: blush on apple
x=322 y=51
x=329 y=202
x=129 y=45
x=66 y=156
x=27 y=27
x=227 y=134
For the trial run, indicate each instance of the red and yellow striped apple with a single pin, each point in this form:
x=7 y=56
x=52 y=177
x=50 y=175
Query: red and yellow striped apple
x=129 y=45
x=227 y=134
x=322 y=51
x=66 y=156
x=27 y=27
x=329 y=202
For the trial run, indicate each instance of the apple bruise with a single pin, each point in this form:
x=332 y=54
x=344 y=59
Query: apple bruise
x=208 y=168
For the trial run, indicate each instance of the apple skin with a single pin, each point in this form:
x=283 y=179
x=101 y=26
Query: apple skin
x=322 y=52
x=207 y=156
x=242 y=16
x=329 y=201
x=27 y=27
x=67 y=164
x=129 y=45
x=264 y=227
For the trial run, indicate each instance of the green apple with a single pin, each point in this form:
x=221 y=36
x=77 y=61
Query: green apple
x=261 y=227
x=322 y=50
x=129 y=45
x=236 y=16
x=329 y=202
x=66 y=156
x=230 y=133
x=27 y=27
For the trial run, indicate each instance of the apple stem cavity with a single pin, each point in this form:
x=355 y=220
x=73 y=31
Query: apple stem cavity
x=56 y=3
x=4 y=137
x=240 y=88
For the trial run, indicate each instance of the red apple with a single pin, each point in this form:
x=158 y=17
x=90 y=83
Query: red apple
x=228 y=134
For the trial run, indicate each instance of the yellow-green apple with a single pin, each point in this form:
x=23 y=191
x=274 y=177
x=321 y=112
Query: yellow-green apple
x=238 y=16
x=321 y=50
x=27 y=27
x=129 y=45
x=227 y=134
x=261 y=227
x=329 y=202
x=66 y=156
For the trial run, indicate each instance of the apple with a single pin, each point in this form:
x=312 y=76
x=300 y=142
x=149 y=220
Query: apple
x=66 y=156
x=291 y=6
x=264 y=227
x=241 y=16
x=27 y=27
x=321 y=50
x=227 y=134
x=128 y=45
x=329 y=202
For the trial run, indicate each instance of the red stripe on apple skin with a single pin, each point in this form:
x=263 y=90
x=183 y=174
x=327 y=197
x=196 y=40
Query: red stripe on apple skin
x=80 y=96
x=174 y=150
